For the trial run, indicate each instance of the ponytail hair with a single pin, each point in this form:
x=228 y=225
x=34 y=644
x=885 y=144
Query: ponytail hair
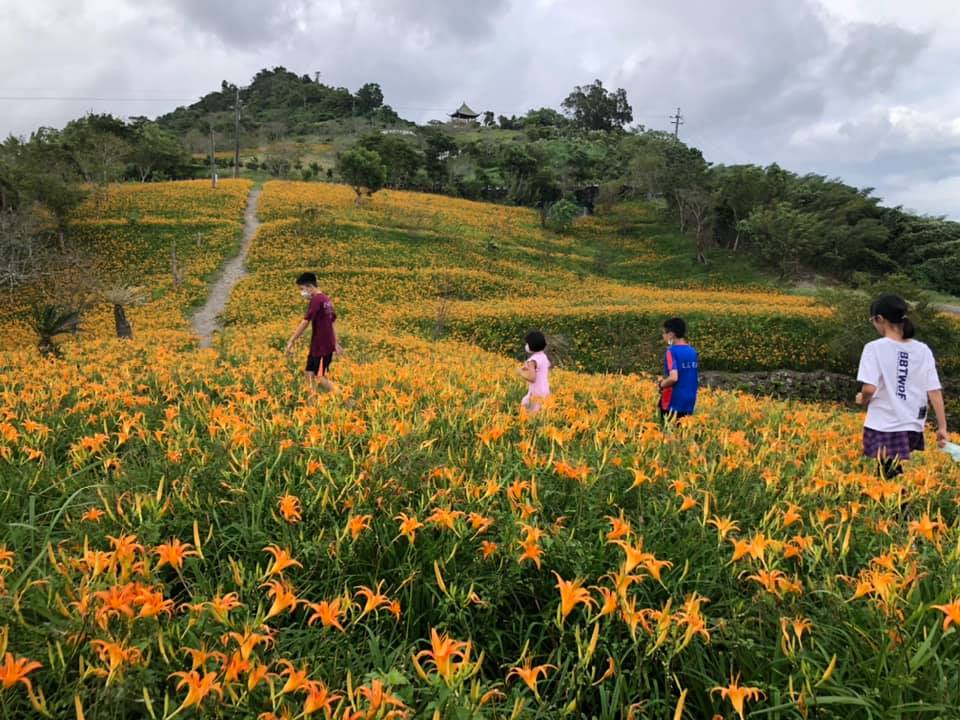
x=893 y=309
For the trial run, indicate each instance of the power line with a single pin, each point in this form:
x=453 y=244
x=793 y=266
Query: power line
x=91 y=99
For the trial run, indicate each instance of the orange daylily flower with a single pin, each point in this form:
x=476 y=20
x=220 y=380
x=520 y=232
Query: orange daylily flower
x=798 y=625
x=446 y=654
x=738 y=694
x=530 y=674
x=284 y=598
x=488 y=548
x=153 y=604
x=296 y=679
x=756 y=547
x=792 y=515
x=290 y=508
x=173 y=553
x=248 y=641
x=257 y=674
x=635 y=555
x=633 y=616
x=379 y=699
x=221 y=605
x=572 y=593
x=200 y=656
x=374 y=598
x=93 y=514
x=15 y=670
x=114 y=602
x=198 y=687
x=768 y=579
x=125 y=548
x=951 y=613
x=926 y=527
x=319 y=698
x=479 y=523
x=445 y=517
x=357 y=524
x=409 y=526
x=328 y=613
x=531 y=551
x=724 y=526
x=281 y=560
x=689 y=615
x=619 y=528
x=233 y=668
x=6 y=559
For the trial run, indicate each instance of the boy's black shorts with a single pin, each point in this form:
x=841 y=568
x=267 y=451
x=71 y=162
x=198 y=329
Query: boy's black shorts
x=319 y=364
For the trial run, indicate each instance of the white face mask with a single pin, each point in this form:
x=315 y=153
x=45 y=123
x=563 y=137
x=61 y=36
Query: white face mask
x=305 y=294
x=669 y=341
x=527 y=347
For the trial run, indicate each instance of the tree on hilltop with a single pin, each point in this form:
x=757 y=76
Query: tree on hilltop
x=593 y=107
x=369 y=98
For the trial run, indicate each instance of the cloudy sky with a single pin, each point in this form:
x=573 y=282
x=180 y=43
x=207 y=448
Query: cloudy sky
x=861 y=89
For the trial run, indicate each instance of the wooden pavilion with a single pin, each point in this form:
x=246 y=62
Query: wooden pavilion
x=463 y=115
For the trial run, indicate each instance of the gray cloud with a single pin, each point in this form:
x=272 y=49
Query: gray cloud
x=873 y=56
x=242 y=23
x=446 y=22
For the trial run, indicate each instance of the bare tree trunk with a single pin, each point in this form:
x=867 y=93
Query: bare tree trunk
x=683 y=220
x=736 y=228
x=124 y=330
x=701 y=255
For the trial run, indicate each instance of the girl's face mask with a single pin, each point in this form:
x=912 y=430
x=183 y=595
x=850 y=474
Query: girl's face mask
x=526 y=347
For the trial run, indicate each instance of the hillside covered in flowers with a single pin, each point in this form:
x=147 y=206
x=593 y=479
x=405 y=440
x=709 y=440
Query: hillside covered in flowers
x=185 y=533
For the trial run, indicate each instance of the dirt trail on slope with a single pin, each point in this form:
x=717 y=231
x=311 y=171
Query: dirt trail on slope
x=206 y=320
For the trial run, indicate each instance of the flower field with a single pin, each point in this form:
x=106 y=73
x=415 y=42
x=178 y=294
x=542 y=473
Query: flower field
x=128 y=235
x=184 y=534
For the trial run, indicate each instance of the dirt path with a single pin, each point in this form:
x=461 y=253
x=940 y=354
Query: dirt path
x=952 y=309
x=206 y=320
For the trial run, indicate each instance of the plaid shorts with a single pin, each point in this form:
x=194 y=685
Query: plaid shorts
x=890 y=445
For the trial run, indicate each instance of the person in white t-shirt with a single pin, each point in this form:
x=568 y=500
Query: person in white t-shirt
x=899 y=376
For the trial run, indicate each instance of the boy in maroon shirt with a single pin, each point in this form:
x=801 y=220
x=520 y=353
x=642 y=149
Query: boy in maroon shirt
x=323 y=339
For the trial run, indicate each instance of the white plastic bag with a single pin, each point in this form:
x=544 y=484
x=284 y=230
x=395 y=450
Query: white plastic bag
x=953 y=450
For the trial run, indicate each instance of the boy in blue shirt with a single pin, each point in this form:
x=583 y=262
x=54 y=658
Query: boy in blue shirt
x=678 y=388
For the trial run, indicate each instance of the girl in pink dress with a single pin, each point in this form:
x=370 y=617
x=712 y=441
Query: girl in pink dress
x=535 y=371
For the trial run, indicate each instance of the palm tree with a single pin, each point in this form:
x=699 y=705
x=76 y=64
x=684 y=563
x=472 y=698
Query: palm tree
x=123 y=297
x=48 y=321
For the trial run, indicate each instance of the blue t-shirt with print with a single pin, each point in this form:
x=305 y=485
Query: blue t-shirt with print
x=682 y=397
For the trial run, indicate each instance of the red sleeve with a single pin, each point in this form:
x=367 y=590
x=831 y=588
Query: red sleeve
x=315 y=307
x=669 y=361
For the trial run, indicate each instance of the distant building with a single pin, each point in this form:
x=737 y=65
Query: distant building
x=463 y=116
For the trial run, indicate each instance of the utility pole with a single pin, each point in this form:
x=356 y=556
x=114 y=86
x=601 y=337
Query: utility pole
x=316 y=76
x=677 y=122
x=236 y=133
